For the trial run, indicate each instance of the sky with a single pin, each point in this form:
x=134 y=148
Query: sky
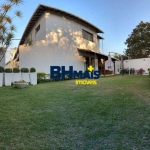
x=117 y=18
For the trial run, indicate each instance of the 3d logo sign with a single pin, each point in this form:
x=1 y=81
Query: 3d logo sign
x=57 y=72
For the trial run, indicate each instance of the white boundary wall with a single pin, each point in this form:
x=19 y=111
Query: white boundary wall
x=137 y=64
x=12 y=77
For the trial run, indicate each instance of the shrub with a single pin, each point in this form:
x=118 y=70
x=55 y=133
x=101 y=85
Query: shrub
x=132 y=71
x=140 y=71
x=32 y=69
x=1 y=69
x=44 y=80
x=41 y=75
x=24 y=70
x=148 y=70
x=124 y=71
x=16 y=70
x=8 y=70
x=22 y=81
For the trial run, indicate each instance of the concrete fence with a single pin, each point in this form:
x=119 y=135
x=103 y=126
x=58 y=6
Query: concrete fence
x=6 y=79
x=143 y=63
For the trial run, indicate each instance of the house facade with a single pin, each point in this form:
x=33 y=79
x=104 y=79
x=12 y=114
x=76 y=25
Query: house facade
x=57 y=38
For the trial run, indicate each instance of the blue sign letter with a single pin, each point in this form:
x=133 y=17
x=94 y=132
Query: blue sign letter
x=55 y=74
x=64 y=72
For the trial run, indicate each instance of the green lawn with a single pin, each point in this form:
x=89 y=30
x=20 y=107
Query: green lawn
x=113 y=115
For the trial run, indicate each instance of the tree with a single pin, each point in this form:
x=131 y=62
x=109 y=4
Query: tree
x=120 y=56
x=138 y=42
x=7 y=28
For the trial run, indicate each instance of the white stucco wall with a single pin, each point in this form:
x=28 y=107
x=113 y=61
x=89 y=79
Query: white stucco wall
x=65 y=31
x=58 y=47
x=138 y=63
x=2 y=62
x=117 y=67
x=40 y=35
x=107 y=66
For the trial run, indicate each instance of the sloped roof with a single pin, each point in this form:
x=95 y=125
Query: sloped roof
x=43 y=8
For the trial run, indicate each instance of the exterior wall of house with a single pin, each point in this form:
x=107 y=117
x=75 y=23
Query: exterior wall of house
x=137 y=64
x=40 y=35
x=2 y=63
x=66 y=31
x=59 y=46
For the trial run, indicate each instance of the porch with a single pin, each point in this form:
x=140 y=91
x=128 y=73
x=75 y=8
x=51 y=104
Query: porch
x=97 y=60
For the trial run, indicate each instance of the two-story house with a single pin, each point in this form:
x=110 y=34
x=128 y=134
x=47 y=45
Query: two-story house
x=57 y=38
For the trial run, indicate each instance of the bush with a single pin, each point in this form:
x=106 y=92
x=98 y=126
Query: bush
x=1 y=69
x=140 y=71
x=132 y=71
x=32 y=69
x=148 y=70
x=41 y=75
x=22 y=81
x=24 y=70
x=16 y=70
x=44 y=80
x=124 y=71
x=8 y=70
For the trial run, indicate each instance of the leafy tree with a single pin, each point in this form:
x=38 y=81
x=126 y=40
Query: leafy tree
x=138 y=42
x=7 y=28
x=120 y=57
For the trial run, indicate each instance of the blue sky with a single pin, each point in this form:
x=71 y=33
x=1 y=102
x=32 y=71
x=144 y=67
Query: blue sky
x=117 y=18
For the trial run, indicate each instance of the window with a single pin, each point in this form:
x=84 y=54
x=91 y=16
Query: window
x=86 y=35
x=38 y=28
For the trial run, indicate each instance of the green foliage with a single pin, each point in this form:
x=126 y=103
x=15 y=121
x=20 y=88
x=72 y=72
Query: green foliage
x=112 y=115
x=41 y=75
x=22 y=81
x=119 y=56
x=32 y=69
x=138 y=45
x=1 y=69
x=132 y=71
x=8 y=70
x=7 y=29
x=44 y=80
x=16 y=70
x=25 y=70
x=124 y=71
x=148 y=70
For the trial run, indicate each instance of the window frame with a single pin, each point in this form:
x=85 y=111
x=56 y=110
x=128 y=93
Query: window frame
x=87 y=35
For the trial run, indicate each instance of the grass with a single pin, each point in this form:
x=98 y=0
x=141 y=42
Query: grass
x=113 y=115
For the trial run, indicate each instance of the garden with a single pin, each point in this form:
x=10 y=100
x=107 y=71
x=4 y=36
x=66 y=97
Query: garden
x=114 y=114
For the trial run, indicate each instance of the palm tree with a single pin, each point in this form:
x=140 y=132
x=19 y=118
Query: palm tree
x=7 y=28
